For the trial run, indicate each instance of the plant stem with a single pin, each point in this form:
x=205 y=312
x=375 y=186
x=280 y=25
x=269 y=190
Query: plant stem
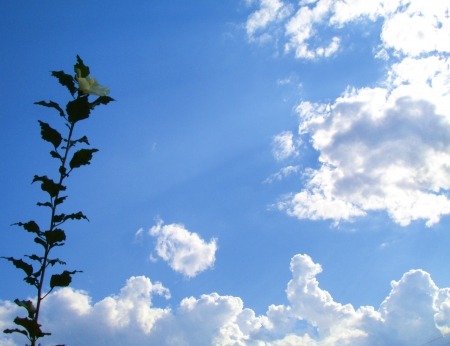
x=52 y=225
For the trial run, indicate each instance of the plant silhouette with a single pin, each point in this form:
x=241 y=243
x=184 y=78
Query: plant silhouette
x=78 y=109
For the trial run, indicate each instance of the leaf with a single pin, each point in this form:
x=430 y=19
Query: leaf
x=62 y=170
x=49 y=134
x=77 y=216
x=27 y=305
x=65 y=80
x=35 y=258
x=62 y=280
x=31 y=325
x=30 y=226
x=78 y=109
x=49 y=185
x=46 y=204
x=59 y=200
x=54 y=237
x=81 y=140
x=55 y=155
x=58 y=218
x=27 y=268
x=41 y=242
x=102 y=100
x=32 y=281
x=15 y=330
x=54 y=261
x=51 y=104
x=84 y=70
x=81 y=158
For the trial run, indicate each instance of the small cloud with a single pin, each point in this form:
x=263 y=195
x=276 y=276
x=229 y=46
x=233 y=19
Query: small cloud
x=283 y=173
x=284 y=146
x=284 y=81
x=184 y=251
x=138 y=235
x=152 y=259
x=382 y=54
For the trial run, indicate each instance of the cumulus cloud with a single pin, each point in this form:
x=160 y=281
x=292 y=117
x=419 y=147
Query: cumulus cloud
x=381 y=148
x=185 y=252
x=415 y=311
x=284 y=146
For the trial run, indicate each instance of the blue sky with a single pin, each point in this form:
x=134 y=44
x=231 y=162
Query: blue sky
x=271 y=173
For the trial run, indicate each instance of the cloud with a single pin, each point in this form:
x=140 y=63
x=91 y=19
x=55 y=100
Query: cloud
x=185 y=252
x=412 y=27
x=283 y=173
x=415 y=311
x=381 y=148
x=284 y=146
x=270 y=11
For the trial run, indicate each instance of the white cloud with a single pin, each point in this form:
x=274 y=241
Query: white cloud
x=138 y=235
x=185 y=252
x=415 y=312
x=381 y=148
x=270 y=11
x=283 y=173
x=411 y=27
x=284 y=146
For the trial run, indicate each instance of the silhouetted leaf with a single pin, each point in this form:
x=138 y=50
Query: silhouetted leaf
x=55 y=236
x=49 y=134
x=32 y=281
x=84 y=70
x=77 y=216
x=55 y=155
x=65 y=80
x=62 y=280
x=54 y=261
x=46 y=204
x=27 y=268
x=29 y=226
x=40 y=241
x=51 y=104
x=81 y=158
x=102 y=100
x=35 y=258
x=15 y=330
x=32 y=327
x=58 y=218
x=81 y=140
x=49 y=185
x=28 y=304
x=62 y=170
x=78 y=109
x=60 y=200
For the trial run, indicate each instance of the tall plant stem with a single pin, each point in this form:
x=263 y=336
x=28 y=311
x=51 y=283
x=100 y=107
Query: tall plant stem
x=54 y=204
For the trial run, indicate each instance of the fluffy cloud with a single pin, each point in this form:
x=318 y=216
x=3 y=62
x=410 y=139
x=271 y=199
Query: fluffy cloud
x=185 y=252
x=412 y=27
x=415 y=312
x=284 y=146
x=381 y=148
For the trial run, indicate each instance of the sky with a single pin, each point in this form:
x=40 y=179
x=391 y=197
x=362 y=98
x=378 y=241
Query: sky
x=272 y=172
